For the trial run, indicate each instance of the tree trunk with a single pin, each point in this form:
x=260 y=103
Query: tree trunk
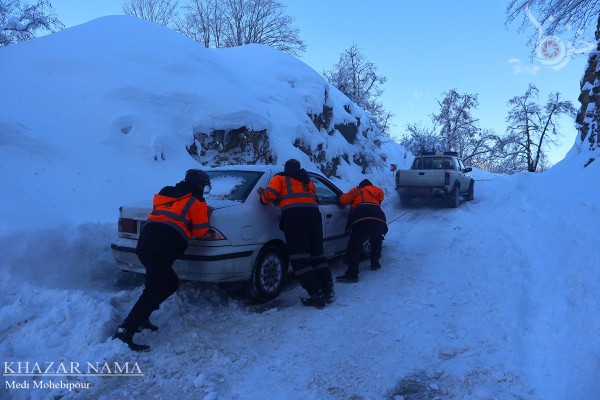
x=588 y=118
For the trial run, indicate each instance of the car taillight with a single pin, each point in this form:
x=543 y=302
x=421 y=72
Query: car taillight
x=127 y=225
x=213 y=234
x=447 y=178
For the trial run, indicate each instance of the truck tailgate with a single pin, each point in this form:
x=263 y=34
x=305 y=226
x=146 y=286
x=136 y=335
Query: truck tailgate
x=420 y=178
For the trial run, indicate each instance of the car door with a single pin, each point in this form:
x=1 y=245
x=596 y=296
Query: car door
x=333 y=215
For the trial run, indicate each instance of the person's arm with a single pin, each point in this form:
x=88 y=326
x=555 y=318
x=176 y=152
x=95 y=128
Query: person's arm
x=348 y=197
x=198 y=217
x=272 y=192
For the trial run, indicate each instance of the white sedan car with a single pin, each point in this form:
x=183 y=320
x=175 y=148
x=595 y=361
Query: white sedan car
x=244 y=242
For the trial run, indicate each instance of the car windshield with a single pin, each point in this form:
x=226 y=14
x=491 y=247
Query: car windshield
x=231 y=185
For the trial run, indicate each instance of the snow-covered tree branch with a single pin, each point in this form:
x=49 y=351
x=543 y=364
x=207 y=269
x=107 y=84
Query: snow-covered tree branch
x=21 y=22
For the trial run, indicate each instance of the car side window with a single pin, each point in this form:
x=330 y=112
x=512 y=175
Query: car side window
x=325 y=193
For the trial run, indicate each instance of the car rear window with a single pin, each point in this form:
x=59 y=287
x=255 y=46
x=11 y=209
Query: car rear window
x=232 y=185
x=433 y=163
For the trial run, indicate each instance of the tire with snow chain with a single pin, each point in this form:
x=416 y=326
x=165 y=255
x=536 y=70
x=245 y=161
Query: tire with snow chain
x=454 y=196
x=268 y=274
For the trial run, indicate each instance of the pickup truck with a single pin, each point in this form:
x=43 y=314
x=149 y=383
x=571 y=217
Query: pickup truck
x=440 y=174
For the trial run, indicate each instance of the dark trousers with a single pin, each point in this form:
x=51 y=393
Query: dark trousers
x=161 y=283
x=304 y=236
x=362 y=231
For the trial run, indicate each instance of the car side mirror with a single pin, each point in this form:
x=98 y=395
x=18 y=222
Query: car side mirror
x=468 y=169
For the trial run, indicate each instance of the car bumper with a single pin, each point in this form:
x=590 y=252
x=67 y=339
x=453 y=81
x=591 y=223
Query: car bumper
x=206 y=263
x=422 y=191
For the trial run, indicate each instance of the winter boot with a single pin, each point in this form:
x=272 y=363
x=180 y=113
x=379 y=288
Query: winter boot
x=316 y=300
x=347 y=278
x=329 y=296
x=375 y=265
x=126 y=336
x=147 y=325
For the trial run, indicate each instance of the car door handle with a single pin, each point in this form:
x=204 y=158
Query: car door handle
x=421 y=173
x=328 y=215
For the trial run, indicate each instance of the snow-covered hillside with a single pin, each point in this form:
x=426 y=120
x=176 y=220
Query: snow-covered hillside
x=124 y=99
x=496 y=299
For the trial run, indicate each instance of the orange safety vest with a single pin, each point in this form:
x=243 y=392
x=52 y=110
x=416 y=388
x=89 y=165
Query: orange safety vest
x=362 y=195
x=290 y=192
x=188 y=215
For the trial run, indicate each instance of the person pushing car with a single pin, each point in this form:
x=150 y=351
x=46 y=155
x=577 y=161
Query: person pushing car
x=178 y=213
x=301 y=222
x=366 y=221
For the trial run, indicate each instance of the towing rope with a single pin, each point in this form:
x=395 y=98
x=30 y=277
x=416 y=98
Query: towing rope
x=406 y=212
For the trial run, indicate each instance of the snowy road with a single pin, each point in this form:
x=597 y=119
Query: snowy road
x=426 y=326
x=457 y=312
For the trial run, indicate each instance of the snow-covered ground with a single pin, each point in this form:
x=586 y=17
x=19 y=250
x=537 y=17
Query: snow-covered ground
x=497 y=299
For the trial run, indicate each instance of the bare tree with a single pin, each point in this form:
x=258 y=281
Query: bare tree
x=420 y=139
x=21 y=22
x=228 y=23
x=459 y=129
x=204 y=22
x=162 y=12
x=357 y=78
x=578 y=17
x=556 y=16
x=532 y=128
x=457 y=123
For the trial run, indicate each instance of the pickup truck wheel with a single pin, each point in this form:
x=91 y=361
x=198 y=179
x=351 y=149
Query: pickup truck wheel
x=471 y=192
x=269 y=273
x=454 y=197
x=405 y=200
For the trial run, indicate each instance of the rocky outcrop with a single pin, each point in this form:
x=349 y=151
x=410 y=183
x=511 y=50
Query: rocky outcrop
x=234 y=146
x=243 y=145
x=588 y=117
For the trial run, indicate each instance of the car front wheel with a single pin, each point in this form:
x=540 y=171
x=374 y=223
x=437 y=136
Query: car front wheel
x=268 y=274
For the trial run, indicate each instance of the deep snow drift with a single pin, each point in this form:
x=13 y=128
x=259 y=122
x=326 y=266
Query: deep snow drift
x=497 y=299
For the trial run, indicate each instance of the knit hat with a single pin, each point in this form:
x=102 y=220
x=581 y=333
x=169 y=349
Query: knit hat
x=365 y=182
x=291 y=165
x=197 y=177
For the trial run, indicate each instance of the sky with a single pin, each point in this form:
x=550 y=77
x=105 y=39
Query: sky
x=424 y=49
x=496 y=299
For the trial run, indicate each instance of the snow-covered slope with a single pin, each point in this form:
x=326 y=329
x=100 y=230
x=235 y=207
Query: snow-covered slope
x=120 y=99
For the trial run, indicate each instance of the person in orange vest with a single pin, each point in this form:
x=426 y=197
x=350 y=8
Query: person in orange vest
x=366 y=221
x=301 y=222
x=178 y=213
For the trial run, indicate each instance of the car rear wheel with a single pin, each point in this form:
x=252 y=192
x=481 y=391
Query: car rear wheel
x=405 y=200
x=454 y=197
x=268 y=274
x=471 y=192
